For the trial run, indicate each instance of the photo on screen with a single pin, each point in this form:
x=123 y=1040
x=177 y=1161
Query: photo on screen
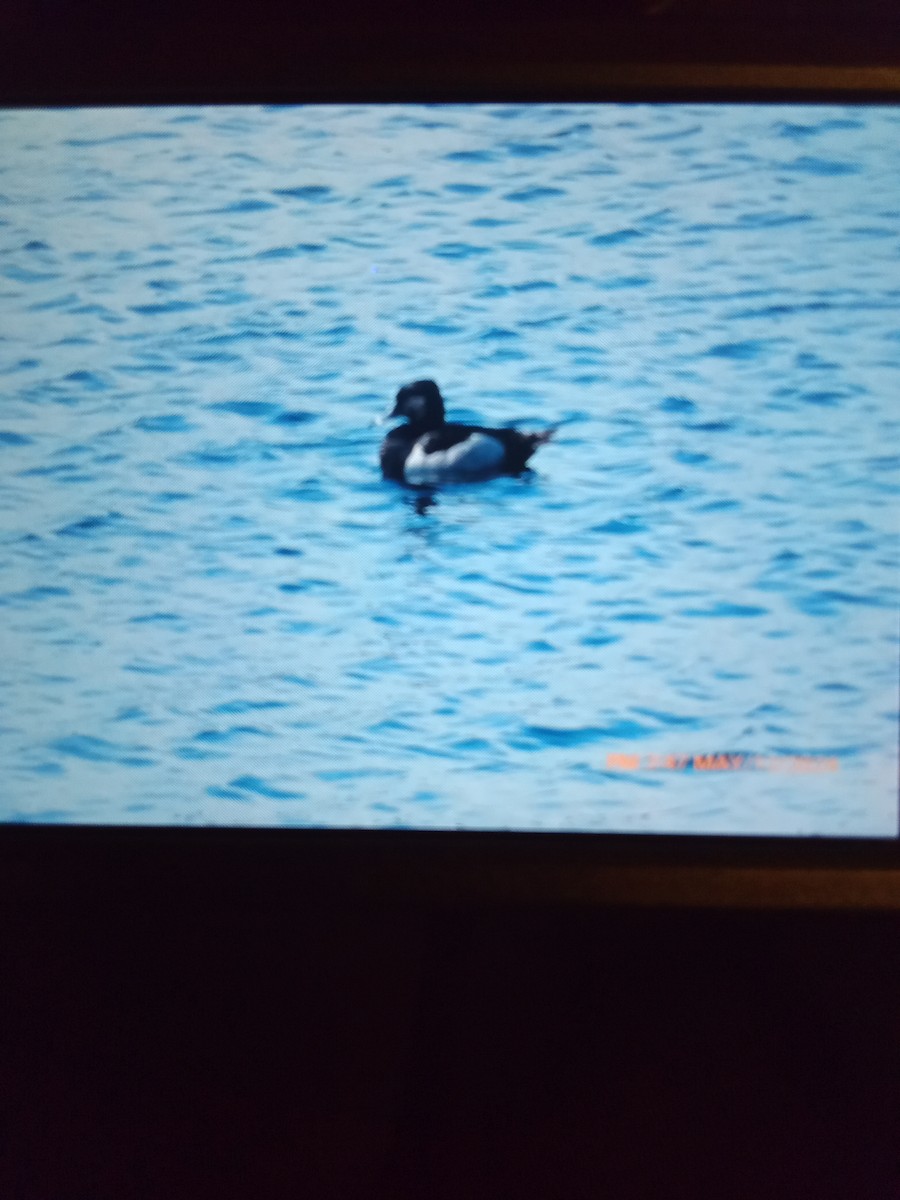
x=679 y=615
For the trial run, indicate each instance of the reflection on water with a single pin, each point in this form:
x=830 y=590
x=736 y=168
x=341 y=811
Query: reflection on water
x=214 y=609
x=421 y=500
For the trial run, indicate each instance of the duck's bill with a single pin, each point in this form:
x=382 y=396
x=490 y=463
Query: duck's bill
x=386 y=416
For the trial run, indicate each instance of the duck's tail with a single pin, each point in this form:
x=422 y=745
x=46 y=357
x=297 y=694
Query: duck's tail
x=534 y=440
x=541 y=439
x=527 y=443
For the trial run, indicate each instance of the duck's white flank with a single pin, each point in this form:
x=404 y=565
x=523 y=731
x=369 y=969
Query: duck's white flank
x=477 y=455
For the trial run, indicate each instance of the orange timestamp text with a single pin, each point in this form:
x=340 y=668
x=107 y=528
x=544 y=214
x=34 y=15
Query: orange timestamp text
x=721 y=762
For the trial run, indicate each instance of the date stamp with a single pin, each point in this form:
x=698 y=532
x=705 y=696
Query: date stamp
x=797 y=763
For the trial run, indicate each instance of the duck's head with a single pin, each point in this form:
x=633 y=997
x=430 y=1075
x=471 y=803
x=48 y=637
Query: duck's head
x=422 y=404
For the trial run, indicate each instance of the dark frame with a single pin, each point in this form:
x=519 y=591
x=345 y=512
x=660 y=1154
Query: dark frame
x=458 y=869
x=623 y=59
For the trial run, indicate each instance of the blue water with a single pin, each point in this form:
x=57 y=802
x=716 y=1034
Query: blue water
x=215 y=611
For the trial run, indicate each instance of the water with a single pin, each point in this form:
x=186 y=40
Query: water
x=215 y=611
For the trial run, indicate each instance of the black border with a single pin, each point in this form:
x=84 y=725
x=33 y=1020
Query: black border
x=454 y=869
x=389 y=77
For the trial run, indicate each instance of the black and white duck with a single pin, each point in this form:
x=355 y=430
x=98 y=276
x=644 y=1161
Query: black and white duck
x=429 y=449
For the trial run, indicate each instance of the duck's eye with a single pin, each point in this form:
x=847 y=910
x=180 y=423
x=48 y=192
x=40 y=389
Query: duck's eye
x=414 y=406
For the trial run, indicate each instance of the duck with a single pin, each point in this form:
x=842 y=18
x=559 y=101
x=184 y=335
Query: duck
x=428 y=449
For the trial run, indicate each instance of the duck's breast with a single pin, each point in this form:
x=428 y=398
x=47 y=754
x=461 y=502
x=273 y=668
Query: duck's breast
x=394 y=450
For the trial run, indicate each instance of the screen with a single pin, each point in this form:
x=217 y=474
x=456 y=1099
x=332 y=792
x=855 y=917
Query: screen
x=640 y=575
